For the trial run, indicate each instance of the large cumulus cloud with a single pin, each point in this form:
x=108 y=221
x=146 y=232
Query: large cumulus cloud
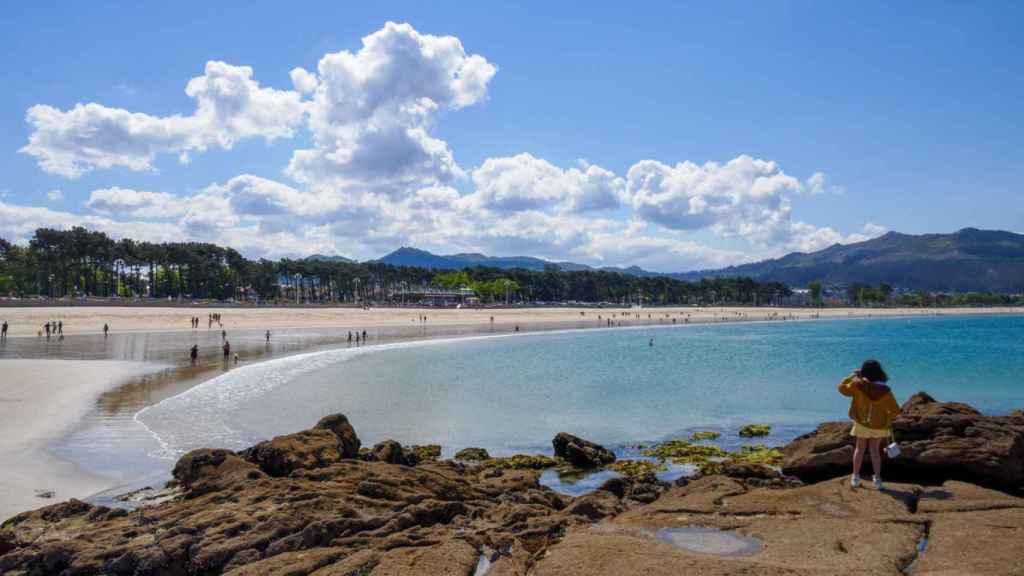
x=373 y=176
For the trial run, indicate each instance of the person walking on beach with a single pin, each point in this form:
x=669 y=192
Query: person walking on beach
x=227 y=350
x=106 y=330
x=268 y=336
x=872 y=409
x=60 y=327
x=3 y=331
x=194 y=353
x=47 y=328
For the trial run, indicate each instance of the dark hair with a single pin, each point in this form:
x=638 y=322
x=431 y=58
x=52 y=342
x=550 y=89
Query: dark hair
x=872 y=370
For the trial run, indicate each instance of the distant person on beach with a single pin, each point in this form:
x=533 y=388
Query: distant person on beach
x=106 y=330
x=350 y=336
x=46 y=327
x=364 y=335
x=194 y=354
x=3 y=330
x=223 y=334
x=268 y=336
x=60 y=327
x=227 y=349
x=872 y=409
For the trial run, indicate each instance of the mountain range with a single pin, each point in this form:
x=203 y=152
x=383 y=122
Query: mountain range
x=967 y=260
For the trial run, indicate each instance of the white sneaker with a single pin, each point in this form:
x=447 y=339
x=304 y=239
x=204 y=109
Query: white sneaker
x=877 y=482
x=855 y=480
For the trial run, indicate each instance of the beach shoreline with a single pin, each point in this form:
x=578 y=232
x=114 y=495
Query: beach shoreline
x=30 y=466
x=40 y=400
x=79 y=320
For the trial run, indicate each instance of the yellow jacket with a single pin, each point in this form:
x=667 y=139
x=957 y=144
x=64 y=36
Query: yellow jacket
x=871 y=403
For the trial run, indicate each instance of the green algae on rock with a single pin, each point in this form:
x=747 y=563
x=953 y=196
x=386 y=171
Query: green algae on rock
x=758 y=454
x=424 y=453
x=472 y=454
x=704 y=435
x=684 y=452
x=637 y=467
x=752 y=430
x=522 y=462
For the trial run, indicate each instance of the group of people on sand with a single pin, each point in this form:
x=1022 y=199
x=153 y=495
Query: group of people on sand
x=358 y=340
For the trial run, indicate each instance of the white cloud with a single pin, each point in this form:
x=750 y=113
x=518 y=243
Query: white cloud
x=55 y=195
x=818 y=184
x=371 y=110
x=523 y=182
x=230 y=106
x=376 y=177
x=136 y=203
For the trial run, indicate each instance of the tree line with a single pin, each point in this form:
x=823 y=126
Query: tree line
x=84 y=263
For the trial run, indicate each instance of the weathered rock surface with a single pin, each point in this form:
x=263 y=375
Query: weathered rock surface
x=826 y=528
x=332 y=515
x=939 y=440
x=300 y=504
x=581 y=453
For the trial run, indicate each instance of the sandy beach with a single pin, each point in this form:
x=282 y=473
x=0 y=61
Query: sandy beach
x=90 y=319
x=40 y=400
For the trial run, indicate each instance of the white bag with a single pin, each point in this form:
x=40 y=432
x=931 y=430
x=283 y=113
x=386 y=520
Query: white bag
x=893 y=449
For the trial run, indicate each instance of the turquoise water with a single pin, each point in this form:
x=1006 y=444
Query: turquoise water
x=514 y=393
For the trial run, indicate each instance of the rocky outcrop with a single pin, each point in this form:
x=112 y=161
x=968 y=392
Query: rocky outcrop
x=581 y=453
x=939 y=441
x=332 y=515
x=298 y=504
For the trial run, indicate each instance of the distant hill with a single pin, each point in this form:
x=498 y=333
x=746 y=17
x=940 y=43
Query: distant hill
x=406 y=256
x=967 y=260
x=323 y=258
x=964 y=261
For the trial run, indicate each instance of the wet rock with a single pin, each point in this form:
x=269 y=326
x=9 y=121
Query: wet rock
x=644 y=488
x=581 y=453
x=754 y=430
x=939 y=442
x=472 y=454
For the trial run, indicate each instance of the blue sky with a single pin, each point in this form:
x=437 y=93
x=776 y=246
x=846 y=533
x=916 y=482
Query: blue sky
x=579 y=132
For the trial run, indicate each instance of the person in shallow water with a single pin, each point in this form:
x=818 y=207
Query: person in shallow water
x=194 y=353
x=872 y=409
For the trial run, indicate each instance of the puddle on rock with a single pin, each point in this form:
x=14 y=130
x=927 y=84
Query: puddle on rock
x=709 y=541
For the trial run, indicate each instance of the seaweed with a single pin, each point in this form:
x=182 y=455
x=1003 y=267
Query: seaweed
x=752 y=430
x=704 y=435
x=522 y=462
x=637 y=467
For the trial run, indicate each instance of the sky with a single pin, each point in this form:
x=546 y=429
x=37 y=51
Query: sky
x=674 y=136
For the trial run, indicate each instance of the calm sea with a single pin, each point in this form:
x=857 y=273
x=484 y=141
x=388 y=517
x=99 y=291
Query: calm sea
x=512 y=394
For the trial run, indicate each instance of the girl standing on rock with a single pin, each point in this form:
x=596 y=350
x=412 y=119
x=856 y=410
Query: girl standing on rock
x=872 y=409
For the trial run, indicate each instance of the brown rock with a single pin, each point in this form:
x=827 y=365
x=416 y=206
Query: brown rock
x=388 y=451
x=282 y=455
x=922 y=404
x=581 y=453
x=939 y=442
x=205 y=470
x=348 y=442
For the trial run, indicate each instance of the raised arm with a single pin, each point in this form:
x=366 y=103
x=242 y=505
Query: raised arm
x=848 y=387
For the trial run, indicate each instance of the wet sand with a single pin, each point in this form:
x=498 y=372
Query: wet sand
x=39 y=401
